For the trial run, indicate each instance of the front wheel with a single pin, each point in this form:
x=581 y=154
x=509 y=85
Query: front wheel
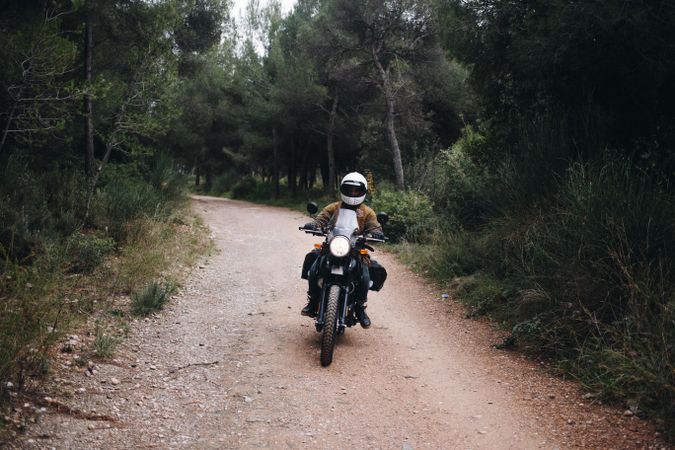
x=330 y=326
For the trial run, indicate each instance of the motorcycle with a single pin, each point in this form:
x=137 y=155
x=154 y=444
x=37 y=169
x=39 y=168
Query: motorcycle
x=339 y=260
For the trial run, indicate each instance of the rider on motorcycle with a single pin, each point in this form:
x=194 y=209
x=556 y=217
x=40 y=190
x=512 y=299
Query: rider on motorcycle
x=353 y=190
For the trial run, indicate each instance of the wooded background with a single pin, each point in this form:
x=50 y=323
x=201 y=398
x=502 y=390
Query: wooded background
x=523 y=146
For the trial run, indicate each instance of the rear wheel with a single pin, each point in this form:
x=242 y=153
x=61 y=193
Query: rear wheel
x=330 y=326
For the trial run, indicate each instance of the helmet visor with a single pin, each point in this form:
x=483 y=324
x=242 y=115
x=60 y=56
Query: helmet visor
x=353 y=189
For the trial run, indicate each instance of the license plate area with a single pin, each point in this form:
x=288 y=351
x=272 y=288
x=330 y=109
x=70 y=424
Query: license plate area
x=337 y=270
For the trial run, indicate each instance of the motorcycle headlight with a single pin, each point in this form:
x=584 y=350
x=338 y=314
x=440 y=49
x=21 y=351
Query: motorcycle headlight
x=340 y=246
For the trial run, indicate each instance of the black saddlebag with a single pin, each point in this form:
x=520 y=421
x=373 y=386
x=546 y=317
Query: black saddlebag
x=377 y=275
x=309 y=260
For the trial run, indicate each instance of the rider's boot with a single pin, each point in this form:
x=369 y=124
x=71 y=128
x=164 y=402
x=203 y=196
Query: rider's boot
x=310 y=309
x=364 y=320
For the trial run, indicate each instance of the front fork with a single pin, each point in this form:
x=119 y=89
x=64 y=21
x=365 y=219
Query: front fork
x=342 y=306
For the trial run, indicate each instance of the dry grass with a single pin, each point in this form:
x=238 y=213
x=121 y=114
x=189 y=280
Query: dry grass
x=37 y=308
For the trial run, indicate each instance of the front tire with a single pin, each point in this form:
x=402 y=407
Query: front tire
x=330 y=326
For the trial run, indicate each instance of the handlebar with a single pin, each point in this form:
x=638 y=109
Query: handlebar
x=366 y=237
x=314 y=232
x=373 y=239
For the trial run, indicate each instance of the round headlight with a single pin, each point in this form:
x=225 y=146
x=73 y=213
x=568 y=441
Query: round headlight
x=339 y=246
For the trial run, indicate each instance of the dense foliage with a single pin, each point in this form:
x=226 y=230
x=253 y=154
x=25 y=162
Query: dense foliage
x=88 y=92
x=559 y=200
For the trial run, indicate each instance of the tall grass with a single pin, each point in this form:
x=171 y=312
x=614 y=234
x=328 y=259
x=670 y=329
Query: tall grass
x=104 y=343
x=587 y=278
x=602 y=258
x=33 y=312
x=152 y=298
x=56 y=272
x=124 y=199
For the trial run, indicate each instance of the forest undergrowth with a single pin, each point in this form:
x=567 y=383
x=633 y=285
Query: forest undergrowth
x=62 y=277
x=579 y=270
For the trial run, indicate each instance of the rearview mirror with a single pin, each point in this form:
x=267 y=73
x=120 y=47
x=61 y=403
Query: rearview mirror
x=312 y=208
x=382 y=217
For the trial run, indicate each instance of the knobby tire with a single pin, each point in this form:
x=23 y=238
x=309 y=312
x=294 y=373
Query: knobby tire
x=330 y=326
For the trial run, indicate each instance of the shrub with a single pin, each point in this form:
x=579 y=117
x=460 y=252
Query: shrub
x=86 y=251
x=460 y=185
x=454 y=253
x=595 y=282
x=166 y=179
x=120 y=202
x=152 y=298
x=224 y=182
x=251 y=188
x=221 y=184
x=586 y=276
x=483 y=293
x=41 y=206
x=410 y=213
x=37 y=207
x=104 y=344
x=243 y=187
x=31 y=317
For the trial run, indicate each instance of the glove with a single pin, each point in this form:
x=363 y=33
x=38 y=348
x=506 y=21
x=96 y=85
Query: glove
x=310 y=226
x=377 y=235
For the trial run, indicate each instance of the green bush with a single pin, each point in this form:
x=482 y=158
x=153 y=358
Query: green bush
x=251 y=188
x=132 y=191
x=37 y=207
x=104 y=344
x=120 y=202
x=460 y=185
x=224 y=182
x=86 y=251
x=476 y=181
x=31 y=320
x=586 y=276
x=455 y=253
x=595 y=281
x=483 y=293
x=410 y=213
x=43 y=236
x=166 y=179
x=221 y=184
x=152 y=298
x=243 y=187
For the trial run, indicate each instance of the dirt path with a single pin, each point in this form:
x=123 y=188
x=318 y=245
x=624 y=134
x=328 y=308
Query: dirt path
x=232 y=364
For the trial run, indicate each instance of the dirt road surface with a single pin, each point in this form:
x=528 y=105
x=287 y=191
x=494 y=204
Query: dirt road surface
x=231 y=363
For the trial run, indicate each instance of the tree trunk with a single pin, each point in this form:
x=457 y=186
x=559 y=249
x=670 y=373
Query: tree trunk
x=390 y=99
x=93 y=181
x=10 y=117
x=275 y=167
x=109 y=146
x=323 y=168
x=197 y=176
x=88 y=115
x=312 y=176
x=303 y=168
x=292 y=186
x=330 y=187
x=208 y=178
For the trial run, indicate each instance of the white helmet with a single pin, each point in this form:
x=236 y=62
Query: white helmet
x=353 y=189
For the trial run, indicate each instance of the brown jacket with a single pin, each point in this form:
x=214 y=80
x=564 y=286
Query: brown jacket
x=364 y=215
